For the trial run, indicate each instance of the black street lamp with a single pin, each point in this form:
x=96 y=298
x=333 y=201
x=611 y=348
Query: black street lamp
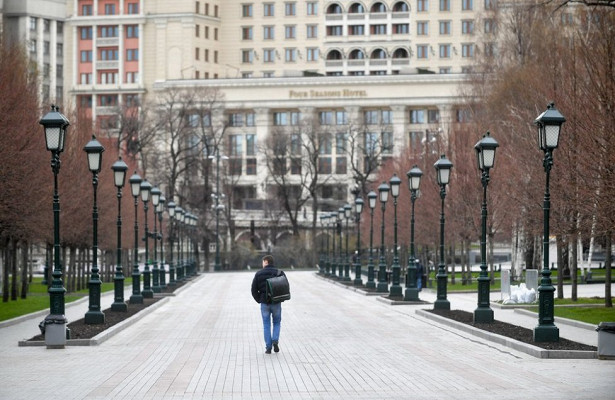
x=155 y=194
x=485 y=156
x=119 y=178
x=371 y=202
x=383 y=285
x=180 y=214
x=340 y=222
x=135 y=188
x=161 y=270
x=217 y=197
x=443 y=168
x=332 y=259
x=396 y=289
x=549 y=125
x=146 y=190
x=94 y=315
x=347 y=214
x=178 y=265
x=321 y=259
x=412 y=291
x=358 y=208
x=171 y=207
x=55 y=125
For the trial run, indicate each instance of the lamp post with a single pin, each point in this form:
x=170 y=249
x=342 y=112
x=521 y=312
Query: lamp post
x=161 y=270
x=549 y=125
x=358 y=208
x=94 y=315
x=371 y=202
x=383 y=285
x=119 y=177
x=135 y=188
x=396 y=289
x=155 y=195
x=414 y=182
x=347 y=214
x=178 y=216
x=485 y=157
x=55 y=125
x=171 y=207
x=146 y=189
x=218 y=157
x=443 y=168
x=340 y=226
x=321 y=259
x=332 y=259
x=325 y=270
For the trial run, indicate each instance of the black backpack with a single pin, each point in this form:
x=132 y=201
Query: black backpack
x=277 y=288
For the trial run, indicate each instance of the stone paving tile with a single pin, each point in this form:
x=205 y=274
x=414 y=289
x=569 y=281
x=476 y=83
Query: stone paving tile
x=206 y=343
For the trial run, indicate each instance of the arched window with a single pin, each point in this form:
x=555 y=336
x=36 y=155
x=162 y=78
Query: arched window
x=401 y=7
x=356 y=8
x=378 y=8
x=334 y=9
x=378 y=54
x=356 y=54
x=334 y=55
x=400 y=53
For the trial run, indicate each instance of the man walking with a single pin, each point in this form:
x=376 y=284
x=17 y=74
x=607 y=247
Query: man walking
x=269 y=311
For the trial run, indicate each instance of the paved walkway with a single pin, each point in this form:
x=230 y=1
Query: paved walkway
x=206 y=343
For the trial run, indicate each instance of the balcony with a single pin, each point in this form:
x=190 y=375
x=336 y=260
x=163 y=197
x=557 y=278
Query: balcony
x=378 y=62
x=356 y=63
x=378 y=16
x=334 y=63
x=400 y=15
x=334 y=17
x=107 y=64
x=107 y=42
x=356 y=17
x=106 y=110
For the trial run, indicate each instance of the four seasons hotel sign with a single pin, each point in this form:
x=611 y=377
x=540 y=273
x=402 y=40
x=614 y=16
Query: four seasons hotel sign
x=313 y=94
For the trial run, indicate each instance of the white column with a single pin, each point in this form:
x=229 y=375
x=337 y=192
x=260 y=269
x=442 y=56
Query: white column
x=399 y=129
x=53 y=59
x=263 y=125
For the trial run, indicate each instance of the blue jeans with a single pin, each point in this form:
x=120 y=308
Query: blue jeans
x=268 y=310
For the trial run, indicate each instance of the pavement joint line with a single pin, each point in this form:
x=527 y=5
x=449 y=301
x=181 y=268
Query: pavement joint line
x=508 y=342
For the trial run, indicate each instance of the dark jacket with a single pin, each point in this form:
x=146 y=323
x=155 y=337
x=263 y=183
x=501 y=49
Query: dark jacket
x=259 y=284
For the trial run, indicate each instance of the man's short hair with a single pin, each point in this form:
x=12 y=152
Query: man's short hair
x=269 y=259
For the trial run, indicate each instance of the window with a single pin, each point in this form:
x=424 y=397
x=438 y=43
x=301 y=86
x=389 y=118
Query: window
x=235 y=165
x=109 y=54
x=489 y=26
x=467 y=5
x=312 y=53
x=467 y=50
x=246 y=10
x=206 y=55
x=341 y=118
x=290 y=55
x=325 y=146
x=433 y=116
x=445 y=5
x=312 y=8
x=235 y=145
x=445 y=27
x=133 y=55
x=250 y=119
x=295 y=118
x=132 y=77
x=85 y=79
x=467 y=27
x=401 y=29
x=490 y=49
x=86 y=9
x=324 y=165
x=356 y=30
x=422 y=51
x=325 y=117
x=197 y=7
x=280 y=118
x=422 y=28
x=247 y=56
x=268 y=32
x=133 y=8
x=380 y=29
x=251 y=144
x=295 y=166
x=341 y=165
x=334 y=30
x=107 y=78
x=85 y=32
x=463 y=115
x=108 y=31
x=295 y=144
x=290 y=32
x=59 y=49
x=86 y=55
x=290 y=8
x=46 y=25
x=236 y=119
x=246 y=33
x=32 y=23
x=387 y=117
x=132 y=31
x=206 y=32
x=387 y=142
x=444 y=70
x=268 y=55
x=59 y=27
x=215 y=33
x=341 y=139
x=371 y=143
x=312 y=31
x=422 y=5
x=268 y=10
x=197 y=28
x=109 y=9
x=371 y=117
x=490 y=4
x=417 y=116
x=445 y=51
x=85 y=101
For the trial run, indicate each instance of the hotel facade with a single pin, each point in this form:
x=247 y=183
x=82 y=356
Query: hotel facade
x=396 y=64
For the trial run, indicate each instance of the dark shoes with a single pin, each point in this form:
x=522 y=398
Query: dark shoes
x=268 y=351
x=275 y=347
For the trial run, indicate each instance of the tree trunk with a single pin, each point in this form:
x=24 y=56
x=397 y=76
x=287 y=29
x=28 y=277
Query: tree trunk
x=608 y=301
x=13 y=270
x=5 y=272
x=24 y=269
x=560 y=267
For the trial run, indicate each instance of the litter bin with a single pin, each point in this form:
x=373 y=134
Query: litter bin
x=606 y=340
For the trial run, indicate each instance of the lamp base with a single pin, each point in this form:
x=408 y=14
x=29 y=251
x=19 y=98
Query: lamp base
x=396 y=291
x=441 y=305
x=411 y=294
x=483 y=315
x=546 y=333
x=382 y=287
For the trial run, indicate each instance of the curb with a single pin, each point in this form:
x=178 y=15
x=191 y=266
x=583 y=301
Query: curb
x=529 y=349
